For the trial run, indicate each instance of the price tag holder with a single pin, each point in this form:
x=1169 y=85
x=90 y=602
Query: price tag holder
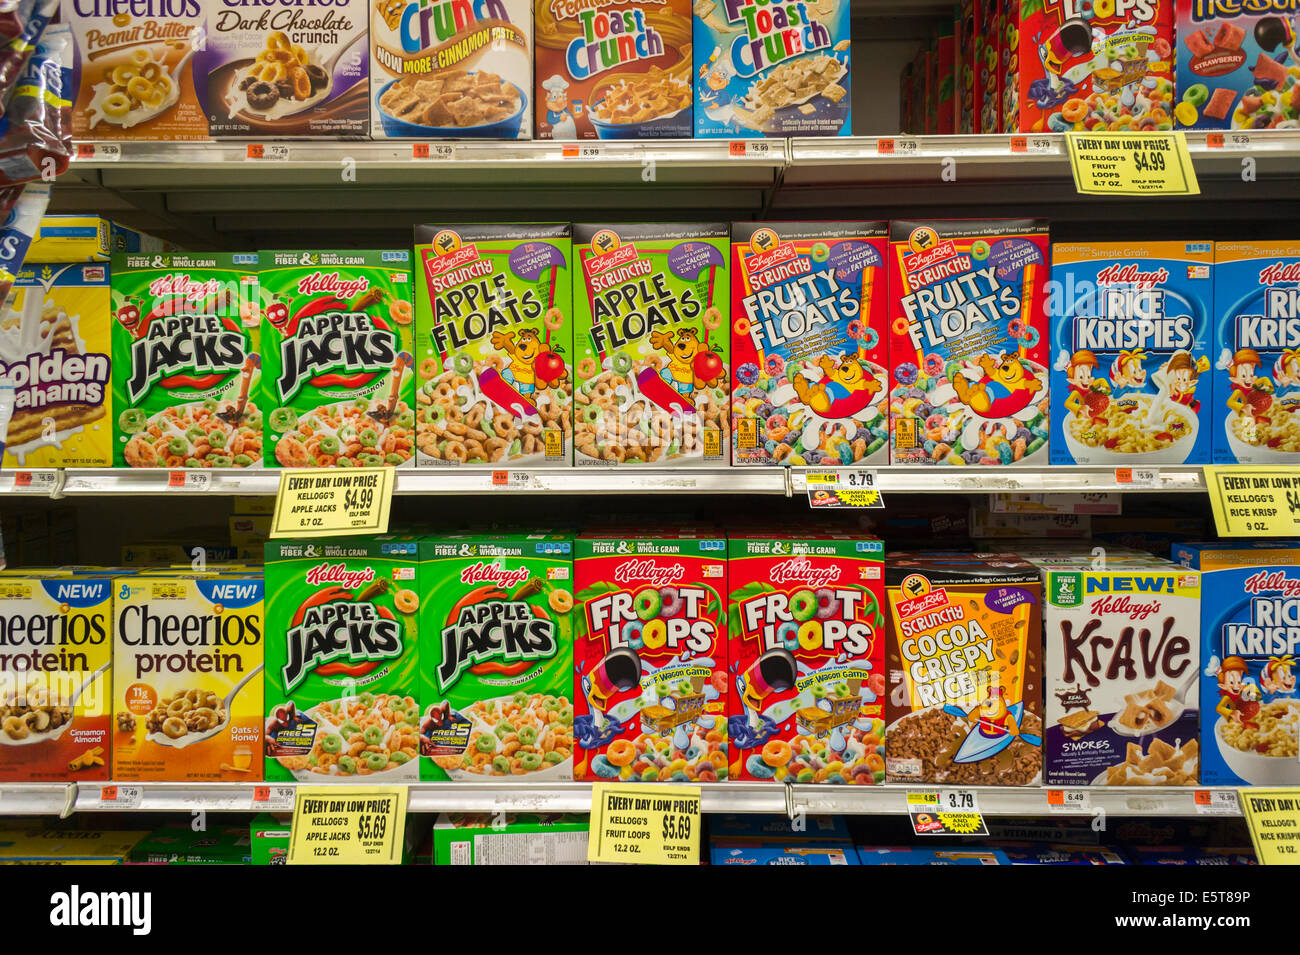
x=273 y=798
x=327 y=502
x=645 y=824
x=1273 y=818
x=348 y=825
x=120 y=797
x=266 y=152
x=442 y=152
x=750 y=149
x=1068 y=800
x=43 y=481
x=950 y=812
x=1254 y=502
x=99 y=152
x=898 y=146
x=1216 y=802
x=1138 y=477
x=1132 y=164
x=188 y=481
x=850 y=487
x=1033 y=145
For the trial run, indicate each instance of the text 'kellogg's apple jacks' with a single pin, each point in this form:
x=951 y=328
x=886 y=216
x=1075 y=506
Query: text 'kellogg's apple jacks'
x=186 y=363
x=337 y=336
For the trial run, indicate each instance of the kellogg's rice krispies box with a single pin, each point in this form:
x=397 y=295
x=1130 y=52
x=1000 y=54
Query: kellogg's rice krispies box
x=1250 y=713
x=187 y=677
x=1130 y=341
x=777 y=70
x=809 y=344
x=496 y=657
x=337 y=341
x=1256 y=340
x=968 y=342
x=341 y=677
x=1122 y=659
x=1238 y=65
x=613 y=69
x=494 y=345
x=807 y=680
x=186 y=361
x=651 y=344
x=650 y=656
x=1113 y=70
x=965 y=669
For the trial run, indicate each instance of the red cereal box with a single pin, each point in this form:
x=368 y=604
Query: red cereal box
x=969 y=70
x=807 y=651
x=650 y=650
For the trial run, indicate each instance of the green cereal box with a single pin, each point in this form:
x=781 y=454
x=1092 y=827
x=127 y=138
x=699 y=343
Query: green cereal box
x=651 y=344
x=341 y=660
x=526 y=838
x=496 y=657
x=493 y=307
x=186 y=361
x=336 y=330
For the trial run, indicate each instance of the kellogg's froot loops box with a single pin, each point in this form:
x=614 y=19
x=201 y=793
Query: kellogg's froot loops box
x=1256 y=342
x=650 y=654
x=806 y=626
x=1130 y=344
x=968 y=342
x=809 y=346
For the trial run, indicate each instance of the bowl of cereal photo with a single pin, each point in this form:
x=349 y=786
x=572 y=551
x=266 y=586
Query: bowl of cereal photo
x=1266 y=754
x=1135 y=429
x=1266 y=439
x=528 y=736
x=453 y=104
x=641 y=107
x=369 y=735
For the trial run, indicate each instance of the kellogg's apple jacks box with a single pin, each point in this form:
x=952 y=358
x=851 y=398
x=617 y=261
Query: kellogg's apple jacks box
x=968 y=342
x=809 y=343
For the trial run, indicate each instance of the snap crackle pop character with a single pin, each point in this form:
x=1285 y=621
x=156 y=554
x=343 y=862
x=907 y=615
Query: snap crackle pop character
x=1126 y=370
x=1232 y=682
x=1286 y=370
x=1278 y=675
x=1183 y=373
x=1252 y=393
x=1004 y=388
x=1087 y=395
x=560 y=110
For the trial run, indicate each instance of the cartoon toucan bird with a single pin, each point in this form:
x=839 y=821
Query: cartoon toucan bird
x=617 y=671
x=1072 y=39
x=1005 y=387
x=845 y=388
x=994 y=726
x=773 y=672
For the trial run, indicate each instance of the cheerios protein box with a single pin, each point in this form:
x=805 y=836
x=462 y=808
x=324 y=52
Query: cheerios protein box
x=341 y=678
x=650 y=656
x=651 y=345
x=806 y=678
x=1131 y=352
x=809 y=343
x=496 y=657
x=965 y=668
x=494 y=345
x=337 y=342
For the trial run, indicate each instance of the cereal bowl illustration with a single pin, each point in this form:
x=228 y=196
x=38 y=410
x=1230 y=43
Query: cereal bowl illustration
x=641 y=106
x=370 y=734
x=139 y=85
x=1262 y=750
x=284 y=78
x=453 y=104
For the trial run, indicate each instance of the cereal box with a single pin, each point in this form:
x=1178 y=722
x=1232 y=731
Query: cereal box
x=946 y=79
x=1256 y=350
x=650 y=656
x=968 y=342
x=284 y=68
x=1009 y=55
x=1096 y=66
x=1250 y=714
x=186 y=362
x=496 y=657
x=482 y=838
x=494 y=342
x=809 y=343
x=1238 y=65
x=613 y=69
x=969 y=38
x=965 y=670
x=341 y=678
x=1122 y=659
x=988 y=83
x=451 y=68
x=84 y=238
x=55 y=350
x=55 y=677
x=132 y=75
x=187 y=677
x=771 y=69
x=337 y=339
x=1130 y=343
x=806 y=628
x=651 y=347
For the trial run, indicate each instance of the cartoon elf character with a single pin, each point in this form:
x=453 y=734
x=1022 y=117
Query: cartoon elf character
x=1232 y=679
x=1183 y=373
x=1278 y=675
x=1252 y=393
x=1126 y=370
x=1085 y=392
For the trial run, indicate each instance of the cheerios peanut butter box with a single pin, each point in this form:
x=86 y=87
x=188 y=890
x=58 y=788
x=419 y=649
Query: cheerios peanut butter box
x=806 y=677
x=341 y=677
x=186 y=361
x=56 y=680
x=964 y=657
x=650 y=656
x=337 y=342
x=496 y=657
x=187 y=677
x=494 y=345
x=651 y=345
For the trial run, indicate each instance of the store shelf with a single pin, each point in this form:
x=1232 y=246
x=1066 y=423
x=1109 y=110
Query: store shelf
x=1061 y=479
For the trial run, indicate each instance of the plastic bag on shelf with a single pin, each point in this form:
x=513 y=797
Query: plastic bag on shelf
x=36 y=132
x=19 y=226
x=21 y=24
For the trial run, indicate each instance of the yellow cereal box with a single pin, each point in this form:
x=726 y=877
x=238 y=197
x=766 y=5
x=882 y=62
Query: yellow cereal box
x=187 y=667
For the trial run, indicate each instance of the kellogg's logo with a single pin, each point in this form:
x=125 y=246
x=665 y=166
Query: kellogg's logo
x=494 y=573
x=1130 y=274
x=800 y=570
x=339 y=574
x=1279 y=272
x=1123 y=607
x=647 y=569
x=1272 y=582
x=330 y=283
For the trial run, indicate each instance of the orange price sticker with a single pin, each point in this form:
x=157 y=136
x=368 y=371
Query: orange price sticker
x=1123 y=475
x=255 y=151
x=500 y=478
x=736 y=148
x=884 y=147
x=23 y=479
x=108 y=794
x=420 y=150
x=261 y=793
x=175 y=478
x=569 y=150
x=85 y=150
x=1055 y=797
x=1214 y=140
x=1019 y=144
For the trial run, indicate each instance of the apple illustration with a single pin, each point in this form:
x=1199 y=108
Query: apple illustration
x=129 y=316
x=707 y=365
x=548 y=366
x=277 y=313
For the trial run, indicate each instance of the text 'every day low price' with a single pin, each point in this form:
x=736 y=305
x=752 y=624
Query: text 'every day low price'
x=348 y=827
x=657 y=825
x=1127 y=164
x=1255 y=502
x=314 y=503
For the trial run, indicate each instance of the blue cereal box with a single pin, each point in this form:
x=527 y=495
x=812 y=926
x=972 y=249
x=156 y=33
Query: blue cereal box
x=727 y=852
x=1238 y=64
x=1130 y=342
x=1257 y=337
x=772 y=69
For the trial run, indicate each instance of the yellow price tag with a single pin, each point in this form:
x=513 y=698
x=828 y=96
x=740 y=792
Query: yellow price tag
x=1254 y=502
x=1273 y=817
x=329 y=502
x=646 y=824
x=348 y=825
x=1132 y=164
